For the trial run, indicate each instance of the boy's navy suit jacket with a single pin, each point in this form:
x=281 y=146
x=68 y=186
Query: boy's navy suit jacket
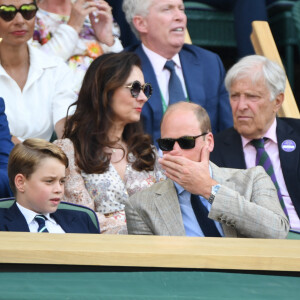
x=11 y=219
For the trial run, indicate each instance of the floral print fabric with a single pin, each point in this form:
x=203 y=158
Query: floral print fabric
x=78 y=50
x=106 y=193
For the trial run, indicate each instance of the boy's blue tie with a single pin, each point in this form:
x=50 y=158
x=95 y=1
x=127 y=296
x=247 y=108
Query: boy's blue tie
x=41 y=220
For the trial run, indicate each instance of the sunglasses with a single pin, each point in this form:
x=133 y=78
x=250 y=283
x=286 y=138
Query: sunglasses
x=136 y=87
x=185 y=142
x=8 y=12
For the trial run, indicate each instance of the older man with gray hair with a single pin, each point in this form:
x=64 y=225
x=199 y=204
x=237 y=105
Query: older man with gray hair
x=177 y=71
x=256 y=89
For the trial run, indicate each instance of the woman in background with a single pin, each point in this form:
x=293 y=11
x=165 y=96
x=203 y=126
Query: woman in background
x=110 y=156
x=37 y=89
x=78 y=32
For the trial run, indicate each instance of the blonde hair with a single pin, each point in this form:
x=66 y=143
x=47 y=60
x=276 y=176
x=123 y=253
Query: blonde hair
x=25 y=158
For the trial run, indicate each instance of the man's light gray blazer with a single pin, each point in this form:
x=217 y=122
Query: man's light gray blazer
x=246 y=205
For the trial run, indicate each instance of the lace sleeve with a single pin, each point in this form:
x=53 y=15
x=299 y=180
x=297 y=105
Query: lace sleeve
x=113 y=223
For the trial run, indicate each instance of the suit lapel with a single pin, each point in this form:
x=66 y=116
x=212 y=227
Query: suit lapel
x=289 y=160
x=150 y=77
x=167 y=204
x=233 y=150
x=221 y=178
x=66 y=221
x=15 y=221
x=193 y=80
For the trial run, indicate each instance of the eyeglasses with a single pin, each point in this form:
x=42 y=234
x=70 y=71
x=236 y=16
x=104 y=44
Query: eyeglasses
x=136 y=87
x=185 y=142
x=8 y=12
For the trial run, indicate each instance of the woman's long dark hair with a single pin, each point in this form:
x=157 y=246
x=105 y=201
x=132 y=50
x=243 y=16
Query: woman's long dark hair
x=89 y=126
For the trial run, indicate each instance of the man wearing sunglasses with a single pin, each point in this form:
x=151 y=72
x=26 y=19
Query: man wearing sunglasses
x=177 y=71
x=199 y=198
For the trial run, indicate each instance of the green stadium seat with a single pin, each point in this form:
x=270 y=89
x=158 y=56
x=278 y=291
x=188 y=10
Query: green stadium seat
x=209 y=27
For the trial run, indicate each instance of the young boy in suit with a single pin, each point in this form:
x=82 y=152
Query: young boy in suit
x=37 y=171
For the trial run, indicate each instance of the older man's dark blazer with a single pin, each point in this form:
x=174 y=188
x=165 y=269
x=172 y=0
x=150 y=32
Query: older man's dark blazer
x=203 y=74
x=11 y=219
x=228 y=152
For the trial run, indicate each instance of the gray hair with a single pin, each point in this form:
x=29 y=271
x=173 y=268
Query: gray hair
x=133 y=8
x=258 y=68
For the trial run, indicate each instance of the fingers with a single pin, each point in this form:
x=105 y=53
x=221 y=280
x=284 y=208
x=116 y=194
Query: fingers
x=102 y=13
x=175 y=167
x=174 y=178
x=168 y=165
x=172 y=159
x=83 y=7
x=101 y=5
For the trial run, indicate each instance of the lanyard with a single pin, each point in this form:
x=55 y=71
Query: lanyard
x=164 y=104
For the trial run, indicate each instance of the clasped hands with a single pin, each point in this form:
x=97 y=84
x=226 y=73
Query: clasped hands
x=193 y=176
x=100 y=15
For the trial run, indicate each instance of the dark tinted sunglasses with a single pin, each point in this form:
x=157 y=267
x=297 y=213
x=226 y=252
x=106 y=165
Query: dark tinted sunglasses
x=185 y=142
x=8 y=12
x=136 y=87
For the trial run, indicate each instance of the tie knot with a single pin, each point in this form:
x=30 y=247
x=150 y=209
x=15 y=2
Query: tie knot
x=41 y=220
x=170 y=65
x=259 y=143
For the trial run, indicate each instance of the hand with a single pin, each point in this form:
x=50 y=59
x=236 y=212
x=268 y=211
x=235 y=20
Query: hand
x=191 y=175
x=15 y=140
x=102 y=23
x=80 y=9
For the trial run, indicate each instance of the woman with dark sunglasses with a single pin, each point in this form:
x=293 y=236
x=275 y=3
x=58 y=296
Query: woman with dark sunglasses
x=78 y=31
x=37 y=89
x=110 y=156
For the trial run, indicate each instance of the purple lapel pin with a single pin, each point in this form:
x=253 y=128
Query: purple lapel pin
x=288 y=145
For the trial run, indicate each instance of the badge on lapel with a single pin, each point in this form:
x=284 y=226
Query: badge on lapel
x=288 y=145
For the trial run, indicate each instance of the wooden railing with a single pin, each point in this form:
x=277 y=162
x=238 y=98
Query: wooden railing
x=149 y=251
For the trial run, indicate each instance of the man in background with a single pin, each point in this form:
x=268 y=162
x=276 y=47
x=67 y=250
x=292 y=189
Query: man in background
x=256 y=88
x=177 y=71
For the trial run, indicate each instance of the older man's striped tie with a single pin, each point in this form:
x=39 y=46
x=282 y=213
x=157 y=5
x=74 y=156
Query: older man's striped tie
x=41 y=220
x=263 y=159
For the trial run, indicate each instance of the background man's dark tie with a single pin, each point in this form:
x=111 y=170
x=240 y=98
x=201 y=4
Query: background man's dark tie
x=175 y=87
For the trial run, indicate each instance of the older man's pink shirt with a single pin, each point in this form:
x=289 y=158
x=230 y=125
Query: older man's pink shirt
x=271 y=147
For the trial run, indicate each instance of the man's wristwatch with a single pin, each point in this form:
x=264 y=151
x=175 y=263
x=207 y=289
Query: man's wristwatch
x=214 y=190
